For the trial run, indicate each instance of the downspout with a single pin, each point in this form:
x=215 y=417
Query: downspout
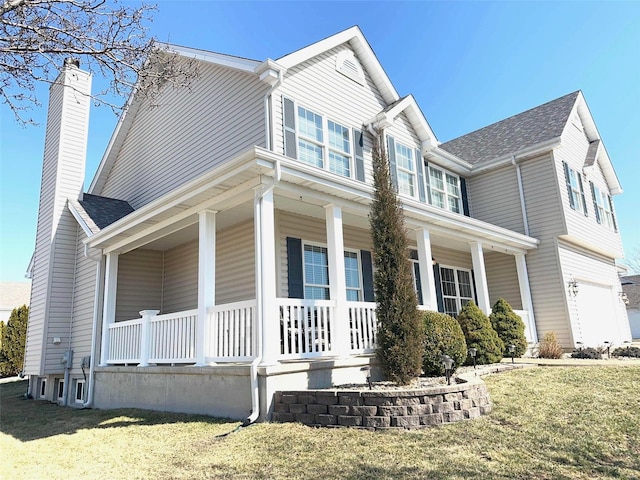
x=94 y=331
x=267 y=110
x=521 y=191
x=68 y=356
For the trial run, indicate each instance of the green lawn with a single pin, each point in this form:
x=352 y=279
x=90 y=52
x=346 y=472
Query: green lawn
x=547 y=423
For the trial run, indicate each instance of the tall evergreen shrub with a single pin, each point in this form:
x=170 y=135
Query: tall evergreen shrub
x=400 y=331
x=13 y=336
x=480 y=335
x=509 y=327
x=443 y=336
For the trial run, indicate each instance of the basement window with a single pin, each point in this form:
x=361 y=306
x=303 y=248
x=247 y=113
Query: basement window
x=60 y=389
x=43 y=388
x=79 y=398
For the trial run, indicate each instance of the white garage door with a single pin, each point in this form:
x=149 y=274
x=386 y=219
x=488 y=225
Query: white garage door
x=597 y=320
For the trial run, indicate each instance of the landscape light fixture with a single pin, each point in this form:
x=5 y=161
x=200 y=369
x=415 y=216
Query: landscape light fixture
x=608 y=345
x=512 y=350
x=579 y=344
x=447 y=363
x=368 y=370
x=472 y=353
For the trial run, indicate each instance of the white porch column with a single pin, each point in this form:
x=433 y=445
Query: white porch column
x=144 y=336
x=268 y=317
x=480 y=274
x=525 y=295
x=341 y=338
x=427 y=279
x=109 y=304
x=206 y=279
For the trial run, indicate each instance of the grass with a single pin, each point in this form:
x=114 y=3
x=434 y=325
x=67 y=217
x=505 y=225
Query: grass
x=547 y=423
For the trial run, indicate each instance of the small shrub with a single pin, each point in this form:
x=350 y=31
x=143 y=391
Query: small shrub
x=549 y=346
x=509 y=327
x=480 y=335
x=443 y=335
x=633 y=352
x=590 y=353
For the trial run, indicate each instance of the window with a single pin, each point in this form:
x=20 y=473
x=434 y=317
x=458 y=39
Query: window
x=445 y=189
x=352 y=276
x=457 y=289
x=319 y=140
x=43 y=388
x=406 y=170
x=60 y=389
x=79 y=398
x=603 y=213
x=574 y=189
x=316 y=273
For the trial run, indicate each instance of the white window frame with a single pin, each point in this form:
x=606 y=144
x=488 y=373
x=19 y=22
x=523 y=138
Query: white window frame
x=326 y=148
x=360 y=289
x=80 y=383
x=42 y=388
x=444 y=191
x=459 y=299
x=60 y=392
x=576 y=192
x=604 y=208
x=410 y=188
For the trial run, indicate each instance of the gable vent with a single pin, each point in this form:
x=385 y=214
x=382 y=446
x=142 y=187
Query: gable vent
x=348 y=65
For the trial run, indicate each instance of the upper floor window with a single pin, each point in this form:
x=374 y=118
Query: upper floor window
x=574 y=189
x=310 y=138
x=339 y=149
x=602 y=206
x=445 y=189
x=406 y=170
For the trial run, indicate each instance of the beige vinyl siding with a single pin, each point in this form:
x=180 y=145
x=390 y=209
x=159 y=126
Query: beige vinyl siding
x=139 y=283
x=502 y=279
x=83 y=304
x=589 y=269
x=180 y=286
x=544 y=213
x=310 y=230
x=318 y=86
x=494 y=198
x=188 y=133
x=235 y=264
x=585 y=229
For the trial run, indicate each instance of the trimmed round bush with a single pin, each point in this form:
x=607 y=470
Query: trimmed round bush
x=480 y=335
x=509 y=327
x=632 y=352
x=590 y=353
x=443 y=335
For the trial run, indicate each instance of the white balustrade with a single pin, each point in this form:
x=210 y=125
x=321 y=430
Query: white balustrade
x=125 y=339
x=231 y=332
x=306 y=327
x=363 y=326
x=172 y=337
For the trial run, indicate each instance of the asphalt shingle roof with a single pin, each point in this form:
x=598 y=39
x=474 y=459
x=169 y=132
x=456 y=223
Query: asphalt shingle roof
x=631 y=286
x=103 y=211
x=526 y=129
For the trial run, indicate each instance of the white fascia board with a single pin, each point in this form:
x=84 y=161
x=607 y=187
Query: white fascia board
x=76 y=214
x=29 y=273
x=542 y=147
x=450 y=161
x=221 y=59
x=362 y=49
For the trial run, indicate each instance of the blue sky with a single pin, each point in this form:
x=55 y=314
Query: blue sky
x=467 y=64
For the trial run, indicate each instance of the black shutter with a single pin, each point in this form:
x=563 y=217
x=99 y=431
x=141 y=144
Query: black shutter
x=595 y=202
x=367 y=276
x=465 y=198
x=416 y=272
x=568 y=181
x=584 y=201
x=437 y=281
x=420 y=169
x=613 y=215
x=391 y=144
x=427 y=177
x=358 y=153
x=289 y=118
x=294 y=268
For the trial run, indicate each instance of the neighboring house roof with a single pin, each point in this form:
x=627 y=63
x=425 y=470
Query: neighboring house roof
x=535 y=126
x=631 y=286
x=14 y=294
x=95 y=212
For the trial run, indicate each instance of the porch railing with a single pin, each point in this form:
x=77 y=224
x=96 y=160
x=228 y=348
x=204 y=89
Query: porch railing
x=231 y=332
x=362 y=325
x=124 y=341
x=306 y=327
x=172 y=337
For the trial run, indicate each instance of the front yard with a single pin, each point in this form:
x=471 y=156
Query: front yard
x=547 y=423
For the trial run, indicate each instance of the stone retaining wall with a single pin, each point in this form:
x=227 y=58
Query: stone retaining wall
x=388 y=409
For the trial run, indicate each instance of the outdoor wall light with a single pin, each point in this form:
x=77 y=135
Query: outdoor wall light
x=623 y=297
x=579 y=345
x=512 y=350
x=368 y=370
x=447 y=363
x=608 y=345
x=472 y=353
x=573 y=287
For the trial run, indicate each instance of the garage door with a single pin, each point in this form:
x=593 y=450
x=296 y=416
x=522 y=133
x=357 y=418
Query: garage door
x=597 y=321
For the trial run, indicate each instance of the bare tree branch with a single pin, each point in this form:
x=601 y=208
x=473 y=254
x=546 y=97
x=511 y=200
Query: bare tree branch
x=108 y=37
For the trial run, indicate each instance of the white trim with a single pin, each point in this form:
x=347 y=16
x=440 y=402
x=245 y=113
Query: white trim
x=77 y=384
x=206 y=278
x=220 y=59
x=337 y=278
x=427 y=278
x=480 y=275
x=85 y=228
x=525 y=295
x=42 y=388
x=109 y=304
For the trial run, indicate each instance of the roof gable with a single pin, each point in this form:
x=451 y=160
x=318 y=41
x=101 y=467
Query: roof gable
x=94 y=212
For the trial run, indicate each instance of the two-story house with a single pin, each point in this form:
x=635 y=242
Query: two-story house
x=222 y=251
